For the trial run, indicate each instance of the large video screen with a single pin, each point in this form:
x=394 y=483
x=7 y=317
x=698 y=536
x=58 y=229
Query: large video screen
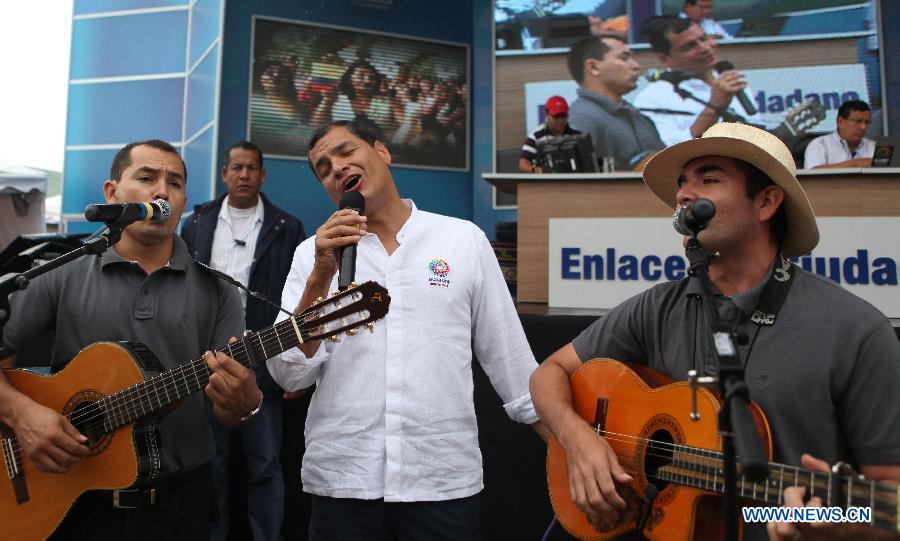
x=800 y=59
x=412 y=93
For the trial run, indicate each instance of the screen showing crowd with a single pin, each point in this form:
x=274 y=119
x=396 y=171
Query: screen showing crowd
x=412 y=93
x=786 y=66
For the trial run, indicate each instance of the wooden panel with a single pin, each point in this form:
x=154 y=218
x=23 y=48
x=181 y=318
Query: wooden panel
x=830 y=195
x=513 y=72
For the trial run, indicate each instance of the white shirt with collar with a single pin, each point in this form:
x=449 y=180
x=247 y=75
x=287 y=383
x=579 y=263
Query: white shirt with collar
x=832 y=148
x=393 y=415
x=234 y=241
x=675 y=128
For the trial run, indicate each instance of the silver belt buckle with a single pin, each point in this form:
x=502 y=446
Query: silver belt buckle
x=115 y=497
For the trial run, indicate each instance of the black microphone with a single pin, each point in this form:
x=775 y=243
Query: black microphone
x=157 y=211
x=742 y=96
x=694 y=217
x=347 y=269
x=671 y=76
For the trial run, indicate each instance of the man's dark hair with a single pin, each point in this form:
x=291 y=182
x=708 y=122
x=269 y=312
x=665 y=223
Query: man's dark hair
x=852 y=105
x=655 y=30
x=690 y=2
x=356 y=127
x=758 y=181
x=243 y=145
x=122 y=160
x=592 y=47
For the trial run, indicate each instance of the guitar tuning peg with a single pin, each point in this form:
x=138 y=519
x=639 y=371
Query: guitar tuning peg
x=332 y=338
x=371 y=326
x=353 y=285
x=350 y=332
x=319 y=300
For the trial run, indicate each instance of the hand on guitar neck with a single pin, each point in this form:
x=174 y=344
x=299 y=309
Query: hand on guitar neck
x=232 y=388
x=47 y=438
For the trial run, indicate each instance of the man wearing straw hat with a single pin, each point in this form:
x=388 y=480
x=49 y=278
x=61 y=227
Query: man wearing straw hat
x=822 y=364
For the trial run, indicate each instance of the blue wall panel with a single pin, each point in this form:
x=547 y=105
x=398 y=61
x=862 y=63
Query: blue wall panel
x=199 y=160
x=129 y=45
x=83 y=7
x=86 y=171
x=124 y=112
x=201 y=94
x=204 y=27
x=445 y=192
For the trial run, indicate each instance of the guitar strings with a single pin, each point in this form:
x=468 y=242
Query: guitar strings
x=267 y=337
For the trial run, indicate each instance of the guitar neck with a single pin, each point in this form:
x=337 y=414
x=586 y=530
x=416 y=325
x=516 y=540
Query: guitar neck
x=703 y=469
x=162 y=390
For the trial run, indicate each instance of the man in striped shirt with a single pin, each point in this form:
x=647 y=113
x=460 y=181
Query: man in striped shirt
x=557 y=124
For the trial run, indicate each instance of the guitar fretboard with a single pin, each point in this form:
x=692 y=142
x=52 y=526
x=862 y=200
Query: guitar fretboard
x=703 y=469
x=162 y=390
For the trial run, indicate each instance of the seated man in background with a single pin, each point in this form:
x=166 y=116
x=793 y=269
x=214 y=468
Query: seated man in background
x=605 y=71
x=846 y=146
x=556 y=125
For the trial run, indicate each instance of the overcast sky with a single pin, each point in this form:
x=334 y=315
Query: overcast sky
x=34 y=63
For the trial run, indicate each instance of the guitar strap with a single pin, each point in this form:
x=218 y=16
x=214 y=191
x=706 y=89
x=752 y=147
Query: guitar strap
x=771 y=299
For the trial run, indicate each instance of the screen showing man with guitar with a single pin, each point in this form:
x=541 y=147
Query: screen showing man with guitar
x=73 y=431
x=822 y=365
x=391 y=436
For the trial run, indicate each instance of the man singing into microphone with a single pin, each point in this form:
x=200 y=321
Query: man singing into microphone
x=823 y=364
x=682 y=46
x=391 y=436
x=143 y=289
x=605 y=70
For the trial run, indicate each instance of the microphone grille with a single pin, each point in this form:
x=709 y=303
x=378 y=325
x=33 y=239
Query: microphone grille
x=165 y=211
x=723 y=65
x=352 y=200
x=676 y=222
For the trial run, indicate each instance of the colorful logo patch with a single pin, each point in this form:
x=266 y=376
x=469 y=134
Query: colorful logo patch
x=440 y=269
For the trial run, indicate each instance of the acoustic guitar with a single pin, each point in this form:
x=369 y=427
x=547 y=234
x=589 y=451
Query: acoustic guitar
x=644 y=417
x=104 y=393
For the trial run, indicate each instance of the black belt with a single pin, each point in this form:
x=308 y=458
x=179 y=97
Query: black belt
x=150 y=495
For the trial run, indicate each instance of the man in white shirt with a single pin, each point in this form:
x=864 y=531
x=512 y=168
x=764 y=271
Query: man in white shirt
x=245 y=236
x=699 y=11
x=391 y=436
x=683 y=47
x=846 y=146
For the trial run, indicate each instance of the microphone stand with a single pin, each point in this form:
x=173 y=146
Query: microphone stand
x=12 y=282
x=736 y=424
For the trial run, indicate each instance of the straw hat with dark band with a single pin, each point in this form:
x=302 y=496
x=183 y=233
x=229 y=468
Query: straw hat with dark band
x=752 y=145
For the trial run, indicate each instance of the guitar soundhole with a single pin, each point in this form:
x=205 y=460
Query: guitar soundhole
x=87 y=417
x=657 y=455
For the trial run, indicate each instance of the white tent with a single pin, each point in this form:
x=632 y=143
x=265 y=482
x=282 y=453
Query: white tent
x=22 y=192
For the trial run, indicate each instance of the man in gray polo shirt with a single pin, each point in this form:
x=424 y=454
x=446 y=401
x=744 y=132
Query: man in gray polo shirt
x=144 y=289
x=606 y=70
x=823 y=364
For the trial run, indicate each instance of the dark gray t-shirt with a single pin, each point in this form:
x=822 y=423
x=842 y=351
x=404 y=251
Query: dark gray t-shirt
x=617 y=129
x=826 y=374
x=179 y=312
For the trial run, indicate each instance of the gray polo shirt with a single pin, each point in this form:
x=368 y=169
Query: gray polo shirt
x=617 y=129
x=817 y=373
x=179 y=312
x=826 y=374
